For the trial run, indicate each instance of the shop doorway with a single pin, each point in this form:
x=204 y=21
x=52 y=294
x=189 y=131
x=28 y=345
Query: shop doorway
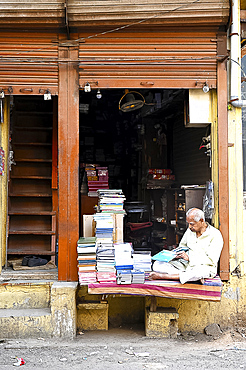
x=133 y=146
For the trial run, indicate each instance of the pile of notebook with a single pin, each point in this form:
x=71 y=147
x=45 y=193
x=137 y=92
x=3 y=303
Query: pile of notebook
x=111 y=200
x=105 y=263
x=142 y=262
x=138 y=277
x=104 y=228
x=123 y=262
x=86 y=248
x=105 y=248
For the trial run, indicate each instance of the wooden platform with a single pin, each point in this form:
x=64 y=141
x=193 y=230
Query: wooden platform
x=210 y=291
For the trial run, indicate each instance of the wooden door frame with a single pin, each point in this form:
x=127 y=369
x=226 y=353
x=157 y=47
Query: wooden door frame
x=223 y=180
x=68 y=161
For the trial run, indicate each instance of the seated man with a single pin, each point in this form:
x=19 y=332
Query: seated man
x=203 y=244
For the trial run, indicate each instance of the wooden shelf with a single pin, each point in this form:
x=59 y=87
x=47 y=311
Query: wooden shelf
x=36 y=160
x=31 y=252
x=32 y=144
x=22 y=128
x=30 y=195
x=33 y=213
x=31 y=177
x=35 y=113
x=31 y=219
x=31 y=232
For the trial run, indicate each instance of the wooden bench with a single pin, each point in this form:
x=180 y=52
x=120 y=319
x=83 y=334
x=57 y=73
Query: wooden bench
x=209 y=291
x=161 y=321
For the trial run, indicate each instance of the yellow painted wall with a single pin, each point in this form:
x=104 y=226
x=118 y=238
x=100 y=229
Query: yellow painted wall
x=4 y=182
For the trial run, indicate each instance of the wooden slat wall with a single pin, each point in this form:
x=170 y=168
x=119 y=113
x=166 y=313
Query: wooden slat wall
x=32 y=13
x=164 y=12
x=150 y=59
x=29 y=62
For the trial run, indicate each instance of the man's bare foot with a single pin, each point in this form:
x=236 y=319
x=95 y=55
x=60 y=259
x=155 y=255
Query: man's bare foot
x=157 y=276
x=163 y=276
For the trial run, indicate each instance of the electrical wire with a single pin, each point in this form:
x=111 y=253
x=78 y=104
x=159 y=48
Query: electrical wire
x=135 y=23
x=104 y=61
x=81 y=39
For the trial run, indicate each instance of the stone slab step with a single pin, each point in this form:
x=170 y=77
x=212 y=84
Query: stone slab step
x=25 y=323
x=25 y=294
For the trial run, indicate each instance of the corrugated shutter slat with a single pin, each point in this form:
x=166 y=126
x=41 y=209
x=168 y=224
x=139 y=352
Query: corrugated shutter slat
x=165 y=60
x=29 y=61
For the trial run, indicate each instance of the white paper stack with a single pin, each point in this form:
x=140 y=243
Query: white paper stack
x=111 y=200
x=123 y=256
x=142 y=261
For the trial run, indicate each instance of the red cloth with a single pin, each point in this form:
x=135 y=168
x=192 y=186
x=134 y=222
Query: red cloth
x=138 y=226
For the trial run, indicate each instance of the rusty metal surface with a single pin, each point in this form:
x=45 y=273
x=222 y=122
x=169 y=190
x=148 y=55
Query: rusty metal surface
x=146 y=60
x=29 y=62
x=161 y=12
x=32 y=14
x=40 y=13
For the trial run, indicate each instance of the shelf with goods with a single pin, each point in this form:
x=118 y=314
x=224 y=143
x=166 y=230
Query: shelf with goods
x=31 y=219
x=185 y=199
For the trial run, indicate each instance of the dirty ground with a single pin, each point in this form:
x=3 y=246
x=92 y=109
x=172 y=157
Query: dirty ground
x=128 y=349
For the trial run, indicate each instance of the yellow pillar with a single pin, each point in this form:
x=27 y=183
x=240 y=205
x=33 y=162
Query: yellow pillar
x=235 y=168
x=214 y=156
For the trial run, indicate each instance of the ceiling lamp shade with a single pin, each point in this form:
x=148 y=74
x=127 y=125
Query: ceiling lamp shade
x=131 y=102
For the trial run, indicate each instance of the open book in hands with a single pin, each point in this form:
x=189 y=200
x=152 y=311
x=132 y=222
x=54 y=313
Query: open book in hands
x=166 y=255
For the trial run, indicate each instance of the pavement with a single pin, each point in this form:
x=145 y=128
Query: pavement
x=127 y=348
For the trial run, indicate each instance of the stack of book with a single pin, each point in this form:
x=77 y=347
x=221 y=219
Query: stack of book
x=106 y=263
x=142 y=262
x=111 y=200
x=138 y=277
x=123 y=256
x=124 y=277
x=97 y=178
x=105 y=248
x=86 y=248
x=104 y=228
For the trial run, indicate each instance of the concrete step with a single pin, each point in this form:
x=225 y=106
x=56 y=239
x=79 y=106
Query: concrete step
x=25 y=323
x=25 y=294
x=33 y=309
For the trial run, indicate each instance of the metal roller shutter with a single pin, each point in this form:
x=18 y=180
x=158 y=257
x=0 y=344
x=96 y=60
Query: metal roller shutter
x=29 y=63
x=148 y=59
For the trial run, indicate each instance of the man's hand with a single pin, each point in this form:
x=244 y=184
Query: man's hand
x=182 y=255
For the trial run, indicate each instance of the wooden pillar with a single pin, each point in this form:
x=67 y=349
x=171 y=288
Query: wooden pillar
x=68 y=164
x=223 y=155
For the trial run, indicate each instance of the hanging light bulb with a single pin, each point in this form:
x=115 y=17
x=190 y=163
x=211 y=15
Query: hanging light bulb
x=99 y=95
